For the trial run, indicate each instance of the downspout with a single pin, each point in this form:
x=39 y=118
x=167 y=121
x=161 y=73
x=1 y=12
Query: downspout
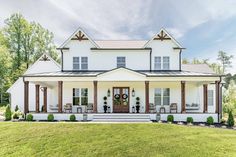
x=62 y=60
x=180 y=59
x=150 y=59
x=220 y=101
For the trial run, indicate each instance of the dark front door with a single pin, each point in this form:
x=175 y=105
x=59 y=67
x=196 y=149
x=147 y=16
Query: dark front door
x=120 y=99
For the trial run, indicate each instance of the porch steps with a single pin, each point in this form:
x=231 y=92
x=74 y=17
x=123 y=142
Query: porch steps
x=121 y=117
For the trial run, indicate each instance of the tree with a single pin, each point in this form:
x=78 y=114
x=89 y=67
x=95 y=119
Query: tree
x=225 y=60
x=229 y=96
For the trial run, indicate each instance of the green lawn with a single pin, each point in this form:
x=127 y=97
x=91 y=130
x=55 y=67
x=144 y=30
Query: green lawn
x=83 y=139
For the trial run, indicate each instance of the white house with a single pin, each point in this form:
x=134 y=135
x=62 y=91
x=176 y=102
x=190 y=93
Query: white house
x=121 y=71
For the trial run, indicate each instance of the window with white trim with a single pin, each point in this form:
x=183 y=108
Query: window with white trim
x=210 y=97
x=80 y=96
x=76 y=63
x=166 y=63
x=157 y=63
x=120 y=62
x=162 y=96
x=84 y=63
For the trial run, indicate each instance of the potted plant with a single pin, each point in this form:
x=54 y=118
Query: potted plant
x=137 y=104
x=105 y=104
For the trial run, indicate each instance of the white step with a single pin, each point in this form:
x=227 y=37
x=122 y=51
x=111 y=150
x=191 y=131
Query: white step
x=121 y=118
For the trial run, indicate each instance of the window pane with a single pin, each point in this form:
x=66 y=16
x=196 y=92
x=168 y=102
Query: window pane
x=166 y=100
x=76 y=92
x=157 y=100
x=166 y=63
x=84 y=63
x=84 y=100
x=84 y=92
x=157 y=91
x=166 y=91
x=76 y=63
x=210 y=99
x=76 y=100
x=120 y=62
x=157 y=63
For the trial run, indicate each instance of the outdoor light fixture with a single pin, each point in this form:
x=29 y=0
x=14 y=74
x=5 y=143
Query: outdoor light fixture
x=133 y=93
x=108 y=93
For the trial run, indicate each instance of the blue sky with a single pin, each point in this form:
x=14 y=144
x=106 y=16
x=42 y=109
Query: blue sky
x=202 y=26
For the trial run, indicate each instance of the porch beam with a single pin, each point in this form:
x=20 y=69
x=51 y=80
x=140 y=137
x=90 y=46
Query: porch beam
x=205 y=95
x=147 y=96
x=60 y=85
x=183 y=110
x=26 y=96
x=45 y=99
x=95 y=84
x=37 y=98
x=217 y=85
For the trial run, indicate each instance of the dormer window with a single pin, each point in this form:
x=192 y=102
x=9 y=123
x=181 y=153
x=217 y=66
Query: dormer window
x=166 y=63
x=84 y=63
x=157 y=63
x=75 y=63
x=120 y=62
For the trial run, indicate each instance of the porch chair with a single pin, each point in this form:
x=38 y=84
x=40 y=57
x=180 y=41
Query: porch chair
x=90 y=107
x=173 y=107
x=152 y=108
x=68 y=107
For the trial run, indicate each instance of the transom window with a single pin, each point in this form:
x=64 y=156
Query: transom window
x=76 y=63
x=210 y=97
x=120 y=62
x=80 y=96
x=84 y=63
x=162 y=96
x=157 y=63
x=166 y=63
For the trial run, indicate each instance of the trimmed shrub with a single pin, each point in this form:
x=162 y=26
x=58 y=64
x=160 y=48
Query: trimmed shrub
x=50 y=117
x=8 y=113
x=230 y=120
x=189 y=120
x=29 y=117
x=170 y=118
x=72 y=118
x=210 y=120
x=16 y=108
x=15 y=116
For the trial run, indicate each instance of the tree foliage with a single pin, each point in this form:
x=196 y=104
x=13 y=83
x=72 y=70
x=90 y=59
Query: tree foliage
x=225 y=60
x=21 y=44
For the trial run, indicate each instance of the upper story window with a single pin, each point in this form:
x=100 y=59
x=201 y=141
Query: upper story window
x=75 y=63
x=166 y=63
x=157 y=63
x=84 y=63
x=120 y=62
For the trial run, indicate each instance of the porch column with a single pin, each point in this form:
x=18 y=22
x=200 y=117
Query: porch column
x=205 y=103
x=217 y=95
x=26 y=96
x=95 y=88
x=147 y=96
x=37 y=98
x=183 y=97
x=60 y=83
x=45 y=102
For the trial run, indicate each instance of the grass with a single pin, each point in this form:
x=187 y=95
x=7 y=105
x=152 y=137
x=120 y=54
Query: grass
x=82 y=139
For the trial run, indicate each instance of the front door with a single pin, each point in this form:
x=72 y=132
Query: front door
x=120 y=99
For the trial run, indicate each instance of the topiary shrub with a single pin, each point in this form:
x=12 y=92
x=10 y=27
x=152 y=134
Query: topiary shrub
x=15 y=115
x=170 y=118
x=189 y=120
x=8 y=113
x=72 y=118
x=29 y=117
x=230 y=120
x=16 y=108
x=50 y=117
x=210 y=120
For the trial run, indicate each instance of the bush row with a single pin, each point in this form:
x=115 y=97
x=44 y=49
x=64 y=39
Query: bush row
x=210 y=120
x=50 y=117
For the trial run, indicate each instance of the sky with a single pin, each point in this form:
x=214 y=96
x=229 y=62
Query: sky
x=203 y=27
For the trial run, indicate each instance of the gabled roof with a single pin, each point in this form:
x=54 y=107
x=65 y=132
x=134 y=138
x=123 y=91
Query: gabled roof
x=163 y=35
x=79 y=35
x=121 y=43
